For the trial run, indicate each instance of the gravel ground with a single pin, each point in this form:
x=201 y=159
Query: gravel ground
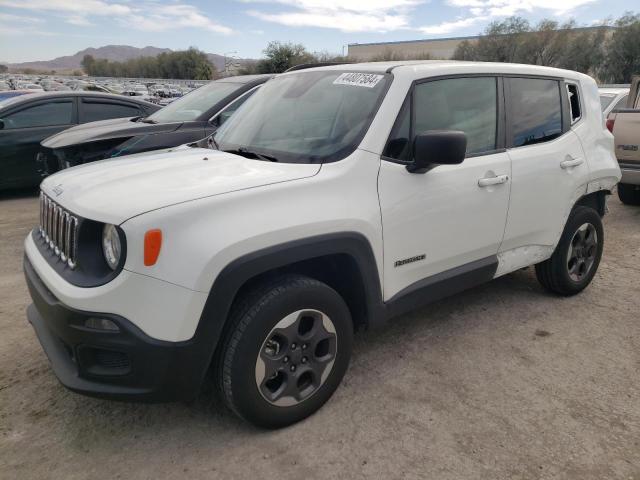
x=503 y=382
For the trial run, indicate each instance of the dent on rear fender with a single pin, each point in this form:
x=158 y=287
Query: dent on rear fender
x=606 y=183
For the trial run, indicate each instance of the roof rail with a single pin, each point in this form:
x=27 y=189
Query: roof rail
x=304 y=66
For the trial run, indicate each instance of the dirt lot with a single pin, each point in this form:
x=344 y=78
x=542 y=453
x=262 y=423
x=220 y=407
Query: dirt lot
x=504 y=381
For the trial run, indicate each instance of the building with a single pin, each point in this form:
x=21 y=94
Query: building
x=436 y=48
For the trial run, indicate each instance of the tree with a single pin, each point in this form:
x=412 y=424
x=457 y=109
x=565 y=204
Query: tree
x=623 y=50
x=190 y=64
x=465 y=50
x=282 y=56
x=4 y=69
x=88 y=63
x=585 y=52
x=502 y=41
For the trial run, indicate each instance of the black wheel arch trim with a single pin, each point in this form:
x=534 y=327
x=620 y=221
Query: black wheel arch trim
x=237 y=273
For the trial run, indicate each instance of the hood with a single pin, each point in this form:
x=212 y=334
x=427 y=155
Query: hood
x=115 y=190
x=105 y=130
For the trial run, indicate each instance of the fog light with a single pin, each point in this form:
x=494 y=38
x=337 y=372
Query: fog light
x=101 y=324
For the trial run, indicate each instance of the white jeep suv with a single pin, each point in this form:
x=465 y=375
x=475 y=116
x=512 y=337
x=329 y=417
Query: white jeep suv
x=336 y=197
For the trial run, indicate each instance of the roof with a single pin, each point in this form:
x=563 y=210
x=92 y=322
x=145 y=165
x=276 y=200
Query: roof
x=613 y=90
x=426 y=68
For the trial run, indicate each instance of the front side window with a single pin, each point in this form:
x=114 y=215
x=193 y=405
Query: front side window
x=43 y=115
x=536 y=110
x=466 y=104
x=194 y=104
x=306 y=117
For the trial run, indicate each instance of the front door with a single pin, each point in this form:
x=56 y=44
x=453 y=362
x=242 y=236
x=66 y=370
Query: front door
x=453 y=215
x=23 y=130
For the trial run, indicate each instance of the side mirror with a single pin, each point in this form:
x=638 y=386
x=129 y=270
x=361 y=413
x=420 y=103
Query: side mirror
x=437 y=147
x=1 y=124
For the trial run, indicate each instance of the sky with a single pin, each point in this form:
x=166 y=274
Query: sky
x=44 y=29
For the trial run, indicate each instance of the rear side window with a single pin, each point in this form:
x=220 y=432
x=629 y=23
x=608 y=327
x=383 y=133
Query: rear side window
x=92 y=111
x=466 y=104
x=42 y=115
x=536 y=110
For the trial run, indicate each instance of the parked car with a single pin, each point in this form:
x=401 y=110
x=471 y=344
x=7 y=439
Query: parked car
x=625 y=125
x=612 y=98
x=34 y=87
x=187 y=119
x=5 y=94
x=28 y=119
x=257 y=258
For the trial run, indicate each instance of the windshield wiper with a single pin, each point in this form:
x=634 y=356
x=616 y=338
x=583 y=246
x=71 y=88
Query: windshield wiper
x=207 y=142
x=245 y=152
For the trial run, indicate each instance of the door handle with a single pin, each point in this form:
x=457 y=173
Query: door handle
x=497 y=180
x=571 y=162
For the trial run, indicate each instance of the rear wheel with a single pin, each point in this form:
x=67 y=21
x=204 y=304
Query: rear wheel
x=629 y=194
x=577 y=255
x=287 y=350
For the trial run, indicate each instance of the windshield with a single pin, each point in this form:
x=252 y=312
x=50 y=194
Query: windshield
x=194 y=104
x=605 y=101
x=305 y=117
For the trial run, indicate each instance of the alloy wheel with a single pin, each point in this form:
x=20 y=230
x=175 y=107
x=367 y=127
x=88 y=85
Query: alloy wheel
x=296 y=357
x=582 y=252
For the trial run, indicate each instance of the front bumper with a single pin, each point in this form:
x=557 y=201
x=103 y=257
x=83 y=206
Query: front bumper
x=122 y=365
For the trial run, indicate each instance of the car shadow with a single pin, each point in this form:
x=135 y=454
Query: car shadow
x=16 y=194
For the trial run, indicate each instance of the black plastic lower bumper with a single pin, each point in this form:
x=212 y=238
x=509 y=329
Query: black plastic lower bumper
x=124 y=365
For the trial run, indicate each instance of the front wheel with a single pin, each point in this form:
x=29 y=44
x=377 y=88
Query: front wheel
x=287 y=350
x=577 y=255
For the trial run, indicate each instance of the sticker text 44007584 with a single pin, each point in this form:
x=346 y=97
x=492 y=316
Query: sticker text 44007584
x=368 y=80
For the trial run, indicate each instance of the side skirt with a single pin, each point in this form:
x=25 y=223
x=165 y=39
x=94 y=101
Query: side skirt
x=441 y=285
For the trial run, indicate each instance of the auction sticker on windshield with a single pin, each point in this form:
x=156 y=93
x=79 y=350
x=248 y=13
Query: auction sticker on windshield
x=368 y=80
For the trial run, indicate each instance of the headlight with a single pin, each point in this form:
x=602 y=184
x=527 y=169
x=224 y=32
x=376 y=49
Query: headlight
x=111 y=246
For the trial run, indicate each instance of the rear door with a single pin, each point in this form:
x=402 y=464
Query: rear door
x=548 y=163
x=96 y=109
x=24 y=128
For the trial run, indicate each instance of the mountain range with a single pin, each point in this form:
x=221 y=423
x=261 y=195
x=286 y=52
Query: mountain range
x=115 y=53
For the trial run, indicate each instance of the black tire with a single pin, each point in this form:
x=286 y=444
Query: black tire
x=555 y=273
x=253 y=322
x=629 y=194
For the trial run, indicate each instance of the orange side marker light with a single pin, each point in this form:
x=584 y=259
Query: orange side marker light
x=152 y=245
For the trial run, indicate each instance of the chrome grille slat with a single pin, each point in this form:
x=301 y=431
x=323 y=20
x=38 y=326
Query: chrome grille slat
x=54 y=231
x=59 y=230
x=50 y=226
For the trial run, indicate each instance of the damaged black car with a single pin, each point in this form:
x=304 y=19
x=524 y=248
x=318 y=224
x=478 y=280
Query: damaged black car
x=188 y=119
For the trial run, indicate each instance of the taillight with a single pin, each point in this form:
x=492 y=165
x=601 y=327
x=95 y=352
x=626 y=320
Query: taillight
x=610 y=122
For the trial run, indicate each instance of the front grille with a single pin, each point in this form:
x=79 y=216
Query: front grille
x=59 y=230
